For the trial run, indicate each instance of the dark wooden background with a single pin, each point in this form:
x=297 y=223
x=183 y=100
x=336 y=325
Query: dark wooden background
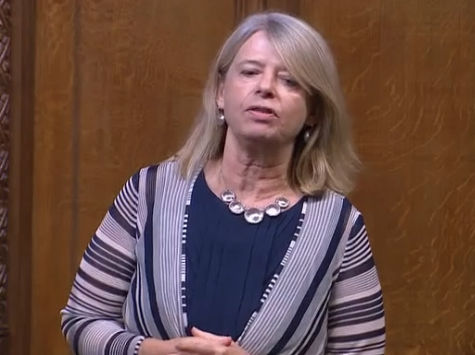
x=101 y=88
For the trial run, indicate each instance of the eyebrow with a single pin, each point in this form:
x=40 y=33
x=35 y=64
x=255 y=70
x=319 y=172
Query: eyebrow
x=259 y=64
x=251 y=61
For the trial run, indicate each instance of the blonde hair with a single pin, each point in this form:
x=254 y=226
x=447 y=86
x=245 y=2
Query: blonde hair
x=327 y=159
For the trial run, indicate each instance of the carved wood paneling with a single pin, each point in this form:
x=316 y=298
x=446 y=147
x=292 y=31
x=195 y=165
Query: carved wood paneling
x=5 y=79
x=20 y=172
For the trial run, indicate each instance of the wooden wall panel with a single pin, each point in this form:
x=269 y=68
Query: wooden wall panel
x=408 y=69
x=287 y=6
x=243 y=8
x=139 y=94
x=52 y=177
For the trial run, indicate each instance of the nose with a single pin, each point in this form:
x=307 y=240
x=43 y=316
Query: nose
x=266 y=85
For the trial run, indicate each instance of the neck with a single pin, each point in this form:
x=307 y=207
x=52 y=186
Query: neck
x=257 y=177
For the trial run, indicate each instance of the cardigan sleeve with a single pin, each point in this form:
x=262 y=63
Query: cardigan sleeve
x=92 y=319
x=356 y=315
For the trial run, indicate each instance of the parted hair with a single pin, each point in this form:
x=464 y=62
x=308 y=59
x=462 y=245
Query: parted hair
x=327 y=159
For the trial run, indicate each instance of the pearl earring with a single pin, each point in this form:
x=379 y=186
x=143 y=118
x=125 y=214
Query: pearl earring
x=221 y=119
x=307 y=133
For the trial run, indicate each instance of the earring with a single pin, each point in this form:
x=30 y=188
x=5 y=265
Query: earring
x=307 y=133
x=221 y=119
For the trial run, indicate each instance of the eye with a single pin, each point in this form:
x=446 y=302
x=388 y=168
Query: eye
x=249 y=72
x=290 y=82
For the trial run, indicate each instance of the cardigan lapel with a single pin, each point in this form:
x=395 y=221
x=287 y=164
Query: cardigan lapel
x=173 y=192
x=276 y=315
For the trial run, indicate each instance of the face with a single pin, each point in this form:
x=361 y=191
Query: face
x=262 y=102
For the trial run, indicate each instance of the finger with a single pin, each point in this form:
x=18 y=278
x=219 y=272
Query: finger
x=199 y=346
x=225 y=340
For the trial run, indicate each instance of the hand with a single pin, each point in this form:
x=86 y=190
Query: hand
x=151 y=346
x=203 y=343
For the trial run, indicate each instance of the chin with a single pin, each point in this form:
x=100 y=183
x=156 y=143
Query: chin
x=269 y=140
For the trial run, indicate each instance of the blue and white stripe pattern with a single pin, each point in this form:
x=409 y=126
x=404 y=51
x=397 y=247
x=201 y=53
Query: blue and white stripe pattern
x=326 y=300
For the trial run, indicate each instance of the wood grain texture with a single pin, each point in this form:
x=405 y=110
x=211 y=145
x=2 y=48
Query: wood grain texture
x=408 y=69
x=137 y=95
x=287 y=6
x=243 y=8
x=52 y=174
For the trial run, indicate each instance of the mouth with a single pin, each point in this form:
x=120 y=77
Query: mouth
x=262 y=111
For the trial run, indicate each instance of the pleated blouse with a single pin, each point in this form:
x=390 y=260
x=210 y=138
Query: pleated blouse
x=230 y=262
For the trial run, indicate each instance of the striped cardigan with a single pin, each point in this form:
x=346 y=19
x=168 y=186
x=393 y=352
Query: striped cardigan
x=326 y=300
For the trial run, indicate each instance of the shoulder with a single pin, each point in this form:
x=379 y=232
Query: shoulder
x=336 y=203
x=161 y=177
x=167 y=167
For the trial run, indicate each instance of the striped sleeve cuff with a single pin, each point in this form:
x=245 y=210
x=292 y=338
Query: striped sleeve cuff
x=138 y=342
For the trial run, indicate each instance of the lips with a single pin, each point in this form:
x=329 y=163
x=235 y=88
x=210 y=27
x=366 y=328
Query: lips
x=263 y=111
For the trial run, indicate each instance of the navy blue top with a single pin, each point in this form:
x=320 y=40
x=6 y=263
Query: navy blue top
x=230 y=262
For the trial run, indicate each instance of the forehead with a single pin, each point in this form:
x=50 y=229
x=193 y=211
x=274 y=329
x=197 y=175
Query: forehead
x=258 y=48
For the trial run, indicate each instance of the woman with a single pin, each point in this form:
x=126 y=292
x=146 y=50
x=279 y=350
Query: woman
x=243 y=243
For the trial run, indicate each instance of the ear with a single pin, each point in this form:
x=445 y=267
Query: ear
x=315 y=109
x=220 y=95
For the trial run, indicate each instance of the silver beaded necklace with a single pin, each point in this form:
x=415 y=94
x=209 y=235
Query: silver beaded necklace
x=253 y=215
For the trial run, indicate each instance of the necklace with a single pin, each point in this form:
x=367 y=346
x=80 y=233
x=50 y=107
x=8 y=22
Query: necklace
x=253 y=215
